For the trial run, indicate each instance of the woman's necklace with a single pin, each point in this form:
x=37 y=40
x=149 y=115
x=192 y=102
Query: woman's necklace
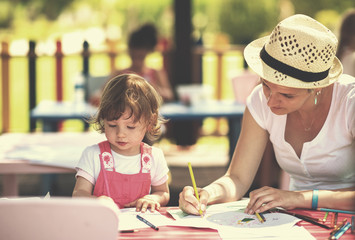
x=307 y=129
x=314 y=112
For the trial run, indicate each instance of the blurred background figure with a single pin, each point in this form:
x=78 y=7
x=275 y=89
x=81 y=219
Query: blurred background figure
x=141 y=43
x=346 y=48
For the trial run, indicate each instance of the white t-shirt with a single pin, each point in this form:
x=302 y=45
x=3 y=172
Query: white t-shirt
x=328 y=161
x=89 y=165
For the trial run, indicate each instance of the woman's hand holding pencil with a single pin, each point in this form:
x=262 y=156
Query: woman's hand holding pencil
x=192 y=199
x=189 y=203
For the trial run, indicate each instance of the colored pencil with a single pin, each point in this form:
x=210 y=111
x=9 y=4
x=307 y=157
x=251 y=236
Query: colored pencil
x=147 y=222
x=259 y=217
x=341 y=231
x=336 y=210
x=335 y=219
x=337 y=227
x=305 y=218
x=325 y=217
x=129 y=231
x=262 y=216
x=194 y=184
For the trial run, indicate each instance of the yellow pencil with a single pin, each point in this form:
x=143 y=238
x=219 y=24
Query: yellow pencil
x=259 y=217
x=194 y=184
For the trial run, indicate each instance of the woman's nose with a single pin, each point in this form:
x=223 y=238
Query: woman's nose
x=272 y=100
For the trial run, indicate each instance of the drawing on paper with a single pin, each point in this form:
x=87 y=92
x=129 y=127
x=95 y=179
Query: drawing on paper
x=243 y=220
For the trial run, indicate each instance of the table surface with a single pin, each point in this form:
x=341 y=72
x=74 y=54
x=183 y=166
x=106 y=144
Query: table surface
x=174 y=232
x=15 y=166
x=19 y=151
x=40 y=153
x=63 y=150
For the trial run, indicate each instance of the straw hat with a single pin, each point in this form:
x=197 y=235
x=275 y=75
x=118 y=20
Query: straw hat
x=299 y=53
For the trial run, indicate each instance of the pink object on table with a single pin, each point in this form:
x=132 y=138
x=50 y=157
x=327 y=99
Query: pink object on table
x=57 y=219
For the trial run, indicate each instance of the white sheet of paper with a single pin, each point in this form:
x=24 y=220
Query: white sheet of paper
x=229 y=219
x=128 y=219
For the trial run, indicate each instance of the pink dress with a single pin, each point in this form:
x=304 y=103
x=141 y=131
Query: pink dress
x=123 y=188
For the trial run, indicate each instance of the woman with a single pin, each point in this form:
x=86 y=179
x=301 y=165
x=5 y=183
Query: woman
x=307 y=110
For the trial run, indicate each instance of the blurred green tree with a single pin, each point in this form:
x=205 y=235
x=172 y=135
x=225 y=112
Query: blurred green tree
x=39 y=19
x=242 y=20
x=246 y=20
x=311 y=8
x=50 y=9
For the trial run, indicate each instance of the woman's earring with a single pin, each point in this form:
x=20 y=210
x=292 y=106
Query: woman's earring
x=316 y=97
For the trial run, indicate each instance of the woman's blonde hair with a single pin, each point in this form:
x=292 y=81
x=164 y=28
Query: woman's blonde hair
x=132 y=92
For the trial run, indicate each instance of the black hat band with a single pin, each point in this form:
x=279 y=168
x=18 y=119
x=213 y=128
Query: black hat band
x=291 y=71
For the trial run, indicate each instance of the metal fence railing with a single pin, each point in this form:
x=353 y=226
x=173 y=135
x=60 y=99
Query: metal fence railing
x=27 y=79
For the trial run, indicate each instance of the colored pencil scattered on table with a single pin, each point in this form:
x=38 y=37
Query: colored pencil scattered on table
x=336 y=210
x=341 y=231
x=305 y=218
x=325 y=217
x=337 y=227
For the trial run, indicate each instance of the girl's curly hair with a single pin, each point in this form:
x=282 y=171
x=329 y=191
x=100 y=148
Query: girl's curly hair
x=134 y=93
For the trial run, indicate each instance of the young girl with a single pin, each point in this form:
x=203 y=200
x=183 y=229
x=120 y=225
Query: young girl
x=130 y=172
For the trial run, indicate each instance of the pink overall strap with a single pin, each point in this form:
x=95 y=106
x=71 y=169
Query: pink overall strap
x=105 y=147
x=146 y=157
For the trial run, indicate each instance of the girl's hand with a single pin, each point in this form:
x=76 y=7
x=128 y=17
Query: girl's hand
x=142 y=204
x=107 y=199
x=266 y=198
x=189 y=203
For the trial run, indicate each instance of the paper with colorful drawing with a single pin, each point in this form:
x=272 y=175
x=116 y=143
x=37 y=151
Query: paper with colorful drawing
x=229 y=219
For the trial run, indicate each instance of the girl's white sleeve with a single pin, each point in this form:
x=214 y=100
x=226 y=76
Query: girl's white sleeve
x=87 y=166
x=160 y=168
